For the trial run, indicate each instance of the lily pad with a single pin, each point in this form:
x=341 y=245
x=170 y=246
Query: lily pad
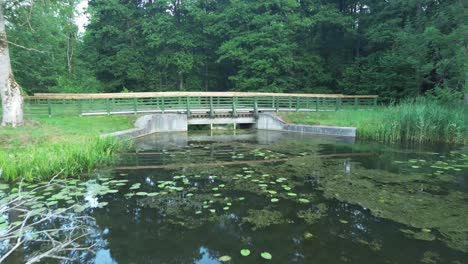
x=308 y=235
x=225 y=258
x=266 y=255
x=245 y=252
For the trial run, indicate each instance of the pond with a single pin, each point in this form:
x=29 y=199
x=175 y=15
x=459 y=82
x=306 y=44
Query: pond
x=263 y=197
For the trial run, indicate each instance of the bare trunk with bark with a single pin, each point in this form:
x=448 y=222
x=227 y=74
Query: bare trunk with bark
x=10 y=92
x=181 y=82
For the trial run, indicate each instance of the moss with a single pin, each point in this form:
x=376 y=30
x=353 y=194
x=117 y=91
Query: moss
x=311 y=216
x=180 y=210
x=404 y=199
x=260 y=219
x=430 y=257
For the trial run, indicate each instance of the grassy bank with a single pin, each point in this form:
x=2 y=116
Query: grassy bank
x=419 y=120
x=65 y=145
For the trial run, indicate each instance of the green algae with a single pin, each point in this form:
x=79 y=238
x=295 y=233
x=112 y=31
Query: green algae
x=408 y=200
x=260 y=219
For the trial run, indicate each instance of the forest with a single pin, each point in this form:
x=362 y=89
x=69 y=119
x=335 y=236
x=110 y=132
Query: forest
x=394 y=49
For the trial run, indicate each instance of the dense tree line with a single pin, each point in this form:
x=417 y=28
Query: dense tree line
x=394 y=48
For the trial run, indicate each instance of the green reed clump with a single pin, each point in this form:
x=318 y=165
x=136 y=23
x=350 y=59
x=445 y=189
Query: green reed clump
x=417 y=120
x=423 y=120
x=47 y=160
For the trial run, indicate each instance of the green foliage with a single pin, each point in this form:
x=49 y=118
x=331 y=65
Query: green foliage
x=445 y=95
x=48 y=35
x=395 y=49
x=86 y=84
x=414 y=120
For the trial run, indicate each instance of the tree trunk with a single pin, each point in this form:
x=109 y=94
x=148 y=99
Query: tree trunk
x=70 y=40
x=181 y=81
x=10 y=92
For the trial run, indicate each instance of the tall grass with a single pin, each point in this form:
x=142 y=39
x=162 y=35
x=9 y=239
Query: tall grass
x=419 y=120
x=72 y=158
x=423 y=120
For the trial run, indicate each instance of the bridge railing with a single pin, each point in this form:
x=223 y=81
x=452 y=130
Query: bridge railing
x=189 y=102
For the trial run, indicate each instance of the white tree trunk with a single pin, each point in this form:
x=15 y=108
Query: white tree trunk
x=10 y=92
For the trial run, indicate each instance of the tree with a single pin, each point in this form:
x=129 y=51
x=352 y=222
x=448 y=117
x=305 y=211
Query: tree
x=48 y=30
x=10 y=92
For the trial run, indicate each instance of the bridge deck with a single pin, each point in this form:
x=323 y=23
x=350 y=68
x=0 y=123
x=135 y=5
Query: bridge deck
x=189 y=103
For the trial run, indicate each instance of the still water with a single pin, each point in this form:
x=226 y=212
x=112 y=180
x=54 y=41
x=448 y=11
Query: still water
x=204 y=197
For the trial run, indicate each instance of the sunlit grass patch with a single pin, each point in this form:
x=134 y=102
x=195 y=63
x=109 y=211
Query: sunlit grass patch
x=67 y=145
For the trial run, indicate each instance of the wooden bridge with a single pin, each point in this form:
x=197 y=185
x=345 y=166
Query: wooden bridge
x=205 y=104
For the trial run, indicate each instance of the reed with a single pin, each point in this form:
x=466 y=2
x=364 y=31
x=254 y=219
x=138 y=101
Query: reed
x=419 y=120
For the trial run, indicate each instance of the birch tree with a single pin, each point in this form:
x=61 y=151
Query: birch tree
x=10 y=92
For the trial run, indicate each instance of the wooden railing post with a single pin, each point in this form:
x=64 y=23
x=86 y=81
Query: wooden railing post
x=49 y=108
x=277 y=104
x=211 y=107
x=375 y=101
x=297 y=104
x=338 y=102
x=163 y=105
x=255 y=106
x=317 y=102
x=135 y=106
x=188 y=106
x=108 y=106
x=234 y=107
x=80 y=107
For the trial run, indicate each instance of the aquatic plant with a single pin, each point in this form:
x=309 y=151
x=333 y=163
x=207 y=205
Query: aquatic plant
x=224 y=258
x=416 y=120
x=311 y=216
x=263 y=218
x=266 y=255
x=400 y=198
x=245 y=252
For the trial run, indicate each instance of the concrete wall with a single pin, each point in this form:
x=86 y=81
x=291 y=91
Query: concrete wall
x=269 y=121
x=149 y=124
x=169 y=122
x=323 y=130
x=222 y=120
x=164 y=123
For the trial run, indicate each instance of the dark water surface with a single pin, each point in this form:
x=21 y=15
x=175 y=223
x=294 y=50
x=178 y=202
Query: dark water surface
x=193 y=198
